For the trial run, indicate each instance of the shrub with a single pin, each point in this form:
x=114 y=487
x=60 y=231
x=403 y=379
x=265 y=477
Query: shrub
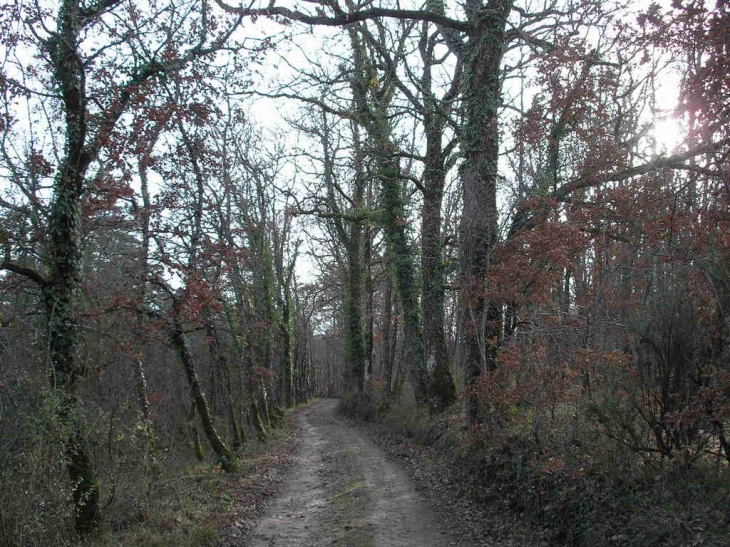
x=358 y=406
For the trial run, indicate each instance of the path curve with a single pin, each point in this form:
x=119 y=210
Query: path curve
x=344 y=491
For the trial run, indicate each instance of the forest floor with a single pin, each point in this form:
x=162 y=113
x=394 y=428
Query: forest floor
x=344 y=489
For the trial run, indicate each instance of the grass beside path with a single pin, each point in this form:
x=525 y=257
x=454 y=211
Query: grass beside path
x=205 y=507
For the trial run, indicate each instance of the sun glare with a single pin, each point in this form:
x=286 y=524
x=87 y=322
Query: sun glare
x=668 y=134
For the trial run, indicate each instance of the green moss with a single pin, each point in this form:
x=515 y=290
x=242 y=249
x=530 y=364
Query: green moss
x=350 y=502
x=257 y=421
x=204 y=535
x=197 y=445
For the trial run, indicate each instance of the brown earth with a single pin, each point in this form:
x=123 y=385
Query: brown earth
x=343 y=490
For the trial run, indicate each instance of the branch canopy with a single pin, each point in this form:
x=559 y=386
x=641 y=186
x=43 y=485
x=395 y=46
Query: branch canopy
x=341 y=18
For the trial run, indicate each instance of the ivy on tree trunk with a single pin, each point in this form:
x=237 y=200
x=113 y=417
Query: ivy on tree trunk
x=480 y=314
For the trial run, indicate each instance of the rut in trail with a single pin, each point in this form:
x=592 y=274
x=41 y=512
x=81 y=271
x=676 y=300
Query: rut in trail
x=344 y=491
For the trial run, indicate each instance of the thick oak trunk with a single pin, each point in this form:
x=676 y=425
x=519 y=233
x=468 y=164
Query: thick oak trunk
x=372 y=112
x=480 y=314
x=353 y=311
x=442 y=391
x=404 y=271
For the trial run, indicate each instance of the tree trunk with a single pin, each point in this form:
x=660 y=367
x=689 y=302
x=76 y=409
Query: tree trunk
x=387 y=356
x=226 y=457
x=393 y=218
x=355 y=349
x=194 y=434
x=143 y=214
x=369 y=303
x=479 y=174
x=350 y=234
x=373 y=116
x=262 y=339
x=63 y=257
x=286 y=327
x=442 y=391
x=219 y=359
x=287 y=318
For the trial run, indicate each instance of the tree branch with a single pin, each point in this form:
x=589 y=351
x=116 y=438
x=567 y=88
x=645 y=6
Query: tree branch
x=308 y=100
x=342 y=19
x=675 y=161
x=325 y=214
x=30 y=273
x=517 y=33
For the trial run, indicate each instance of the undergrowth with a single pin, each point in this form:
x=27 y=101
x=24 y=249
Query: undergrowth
x=358 y=406
x=187 y=505
x=195 y=508
x=574 y=482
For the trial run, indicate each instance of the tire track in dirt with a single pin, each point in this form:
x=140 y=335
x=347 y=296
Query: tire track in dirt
x=344 y=491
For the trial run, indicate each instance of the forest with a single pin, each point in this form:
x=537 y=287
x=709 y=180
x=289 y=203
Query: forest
x=497 y=228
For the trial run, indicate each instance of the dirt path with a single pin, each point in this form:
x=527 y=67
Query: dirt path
x=343 y=491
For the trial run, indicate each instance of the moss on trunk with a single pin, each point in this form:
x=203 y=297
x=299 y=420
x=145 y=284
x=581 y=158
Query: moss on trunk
x=257 y=421
x=224 y=454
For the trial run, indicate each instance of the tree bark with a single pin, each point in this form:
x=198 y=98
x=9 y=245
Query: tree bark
x=286 y=327
x=179 y=341
x=372 y=113
x=442 y=391
x=393 y=218
x=219 y=359
x=63 y=257
x=353 y=311
x=143 y=214
x=387 y=354
x=479 y=175
x=350 y=235
x=194 y=434
x=369 y=303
